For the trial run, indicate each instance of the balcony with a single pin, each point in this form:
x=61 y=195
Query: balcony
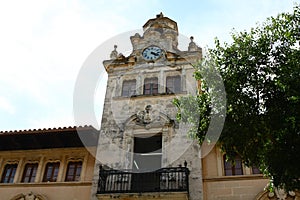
x=164 y=180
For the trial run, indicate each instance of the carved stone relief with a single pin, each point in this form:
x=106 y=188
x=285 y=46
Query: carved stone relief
x=29 y=196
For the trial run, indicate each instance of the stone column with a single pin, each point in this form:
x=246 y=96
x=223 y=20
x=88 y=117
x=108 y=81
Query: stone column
x=18 y=174
x=161 y=83
x=139 y=84
x=165 y=142
x=2 y=165
x=95 y=181
x=62 y=167
x=193 y=158
x=39 y=172
x=119 y=85
x=219 y=162
x=84 y=166
x=183 y=80
x=247 y=170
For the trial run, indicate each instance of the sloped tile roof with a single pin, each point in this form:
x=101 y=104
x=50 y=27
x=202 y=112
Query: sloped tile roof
x=62 y=137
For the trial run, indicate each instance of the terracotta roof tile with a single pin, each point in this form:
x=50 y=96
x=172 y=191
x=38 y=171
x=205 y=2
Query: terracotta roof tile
x=62 y=137
x=47 y=130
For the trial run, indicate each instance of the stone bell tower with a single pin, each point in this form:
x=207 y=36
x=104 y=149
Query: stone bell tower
x=142 y=149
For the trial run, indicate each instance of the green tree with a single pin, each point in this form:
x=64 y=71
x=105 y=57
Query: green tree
x=261 y=74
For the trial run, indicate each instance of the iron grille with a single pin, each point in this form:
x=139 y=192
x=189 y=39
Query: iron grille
x=173 y=179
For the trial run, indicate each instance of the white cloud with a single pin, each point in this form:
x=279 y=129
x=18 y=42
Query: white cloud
x=44 y=43
x=6 y=106
x=218 y=18
x=52 y=121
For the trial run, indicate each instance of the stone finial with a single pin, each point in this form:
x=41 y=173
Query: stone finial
x=114 y=53
x=192 y=39
x=193 y=46
x=160 y=15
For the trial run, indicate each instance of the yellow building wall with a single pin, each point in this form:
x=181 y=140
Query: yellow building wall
x=60 y=190
x=217 y=186
x=69 y=191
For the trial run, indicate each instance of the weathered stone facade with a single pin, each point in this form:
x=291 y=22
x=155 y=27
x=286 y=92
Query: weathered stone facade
x=144 y=115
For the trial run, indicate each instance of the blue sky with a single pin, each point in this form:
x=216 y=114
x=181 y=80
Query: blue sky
x=43 y=45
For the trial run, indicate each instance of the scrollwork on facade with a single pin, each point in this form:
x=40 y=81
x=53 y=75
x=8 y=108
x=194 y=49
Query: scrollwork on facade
x=75 y=159
x=11 y=162
x=33 y=161
x=53 y=160
x=145 y=117
x=29 y=196
x=148 y=116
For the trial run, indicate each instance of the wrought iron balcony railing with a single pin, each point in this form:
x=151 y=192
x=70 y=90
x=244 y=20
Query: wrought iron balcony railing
x=173 y=179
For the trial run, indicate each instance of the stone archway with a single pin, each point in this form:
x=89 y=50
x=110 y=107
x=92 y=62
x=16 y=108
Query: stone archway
x=278 y=194
x=29 y=196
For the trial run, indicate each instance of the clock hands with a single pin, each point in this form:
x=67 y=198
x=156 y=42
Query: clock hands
x=153 y=53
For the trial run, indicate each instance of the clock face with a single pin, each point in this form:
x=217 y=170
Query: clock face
x=152 y=53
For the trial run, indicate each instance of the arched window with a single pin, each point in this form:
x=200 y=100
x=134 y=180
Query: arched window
x=73 y=171
x=9 y=173
x=29 y=173
x=51 y=172
x=233 y=168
